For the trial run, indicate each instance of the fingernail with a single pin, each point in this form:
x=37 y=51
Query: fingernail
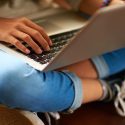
x=50 y=43
x=27 y=51
x=47 y=48
x=39 y=51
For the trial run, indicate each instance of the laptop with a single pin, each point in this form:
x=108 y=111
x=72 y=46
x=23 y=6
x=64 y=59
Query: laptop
x=75 y=38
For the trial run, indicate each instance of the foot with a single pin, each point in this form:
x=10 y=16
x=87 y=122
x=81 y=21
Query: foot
x=116 y=92
x=119 y=101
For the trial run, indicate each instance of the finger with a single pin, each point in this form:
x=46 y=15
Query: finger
x=39 y=29
x=63 y=4
x=36 y=35
x=18 y=45
x=25 y=37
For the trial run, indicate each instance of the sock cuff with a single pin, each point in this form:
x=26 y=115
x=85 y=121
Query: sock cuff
x=105 y=90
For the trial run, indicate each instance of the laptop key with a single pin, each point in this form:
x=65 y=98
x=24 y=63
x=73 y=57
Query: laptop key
x=33 y=56
x=59 y=41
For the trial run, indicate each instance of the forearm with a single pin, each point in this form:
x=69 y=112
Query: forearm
x=90 y=6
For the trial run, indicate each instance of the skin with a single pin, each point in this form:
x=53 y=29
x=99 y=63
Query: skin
x=88 y=6
x=11 y=30
x=22 y=28
x=14 y=30
x=85 y=70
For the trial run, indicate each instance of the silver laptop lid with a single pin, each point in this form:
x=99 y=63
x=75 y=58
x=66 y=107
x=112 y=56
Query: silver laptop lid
x=103 y=33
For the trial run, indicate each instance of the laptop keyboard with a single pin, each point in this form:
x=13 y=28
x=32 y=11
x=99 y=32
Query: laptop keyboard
x=59 y=41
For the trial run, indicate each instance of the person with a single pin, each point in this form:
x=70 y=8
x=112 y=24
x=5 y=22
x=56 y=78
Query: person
x=23 y=87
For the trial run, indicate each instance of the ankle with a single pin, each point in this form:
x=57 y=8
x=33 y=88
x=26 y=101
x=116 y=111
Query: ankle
x=92 y=90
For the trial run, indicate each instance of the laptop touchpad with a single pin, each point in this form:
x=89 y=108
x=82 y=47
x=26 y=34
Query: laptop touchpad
x=49 y=27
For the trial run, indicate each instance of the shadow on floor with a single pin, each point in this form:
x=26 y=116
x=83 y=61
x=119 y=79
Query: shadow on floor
x=94 y=114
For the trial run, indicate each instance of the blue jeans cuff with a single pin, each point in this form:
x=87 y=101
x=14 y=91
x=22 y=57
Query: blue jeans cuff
x=78 y=91
x=101 y=66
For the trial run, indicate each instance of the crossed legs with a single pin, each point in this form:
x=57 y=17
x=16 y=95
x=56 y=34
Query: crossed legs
x=86 y=71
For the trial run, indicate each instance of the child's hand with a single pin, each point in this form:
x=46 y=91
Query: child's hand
x=14 y=31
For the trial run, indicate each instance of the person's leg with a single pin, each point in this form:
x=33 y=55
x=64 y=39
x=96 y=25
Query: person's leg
x=92 y=90
x=110 y=63
x=21 y=86
x=100 y=66
x=30 y=86
x=88 y=74
x=103 y=67
x=84 y=69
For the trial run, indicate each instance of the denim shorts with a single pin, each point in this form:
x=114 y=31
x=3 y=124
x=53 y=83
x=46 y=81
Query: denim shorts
x=110 y=63
x=21 y=86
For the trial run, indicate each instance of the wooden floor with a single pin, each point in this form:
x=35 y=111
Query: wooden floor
x=94 y=114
